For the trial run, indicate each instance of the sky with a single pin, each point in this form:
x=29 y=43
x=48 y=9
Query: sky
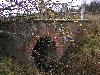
x=74 y=3
x=62 y=1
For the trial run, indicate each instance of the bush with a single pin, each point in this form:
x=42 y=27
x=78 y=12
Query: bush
x=82 y=56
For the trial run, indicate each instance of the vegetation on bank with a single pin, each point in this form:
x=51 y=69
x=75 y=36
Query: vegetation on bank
x=84 y=55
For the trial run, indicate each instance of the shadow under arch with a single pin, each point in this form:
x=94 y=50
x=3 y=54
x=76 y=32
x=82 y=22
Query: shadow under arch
x=44 y=52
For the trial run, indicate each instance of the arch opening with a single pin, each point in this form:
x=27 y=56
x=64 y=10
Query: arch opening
x=44 y=52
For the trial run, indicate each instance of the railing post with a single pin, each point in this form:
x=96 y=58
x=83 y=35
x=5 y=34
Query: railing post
x=82 y=11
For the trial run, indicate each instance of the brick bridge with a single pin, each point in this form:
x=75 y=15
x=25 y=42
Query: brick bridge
x=34 y=37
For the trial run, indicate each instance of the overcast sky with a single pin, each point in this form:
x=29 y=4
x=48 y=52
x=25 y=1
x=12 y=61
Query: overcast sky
x=63 y=1
x=76 y=1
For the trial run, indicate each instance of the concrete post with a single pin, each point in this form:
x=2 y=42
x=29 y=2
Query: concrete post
x=82 y=11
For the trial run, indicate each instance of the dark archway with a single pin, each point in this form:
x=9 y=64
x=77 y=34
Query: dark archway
x=44 y=52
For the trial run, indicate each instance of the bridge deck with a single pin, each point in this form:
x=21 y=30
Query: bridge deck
x=32 y=18
x=63 y=20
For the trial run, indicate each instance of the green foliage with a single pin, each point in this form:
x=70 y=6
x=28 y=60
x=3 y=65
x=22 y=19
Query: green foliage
x=94 y=7
x=82 y=57
x=8 y=66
